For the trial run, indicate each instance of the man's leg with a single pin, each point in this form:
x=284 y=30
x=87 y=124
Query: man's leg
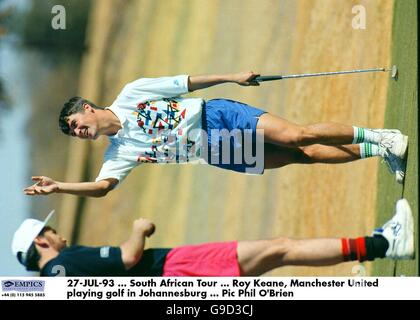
x=276 y=156
x=284 y=133
x=258 y=257
x=318 y=143
x=394 y=240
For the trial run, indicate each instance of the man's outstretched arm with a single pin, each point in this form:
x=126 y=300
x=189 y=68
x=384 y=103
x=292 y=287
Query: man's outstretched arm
x=205 y=81
x=132 y=249
x=45 y=186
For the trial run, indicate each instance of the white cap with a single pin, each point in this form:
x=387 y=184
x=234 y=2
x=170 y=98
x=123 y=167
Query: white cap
x=26 y=233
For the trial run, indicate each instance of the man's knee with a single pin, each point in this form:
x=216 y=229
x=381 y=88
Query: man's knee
x=280 y=246
x=306 y=155
x=297 y=136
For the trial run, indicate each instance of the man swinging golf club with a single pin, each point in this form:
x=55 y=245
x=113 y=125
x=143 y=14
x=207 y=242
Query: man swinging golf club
x=149 y=122
x=39 y=248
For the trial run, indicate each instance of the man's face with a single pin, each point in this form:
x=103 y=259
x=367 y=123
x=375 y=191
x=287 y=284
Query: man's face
x=84 y=125
x=55 y=240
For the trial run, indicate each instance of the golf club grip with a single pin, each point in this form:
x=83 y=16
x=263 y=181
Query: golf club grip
x=268 y=78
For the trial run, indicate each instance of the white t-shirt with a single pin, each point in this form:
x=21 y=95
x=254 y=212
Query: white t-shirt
x=158 y=126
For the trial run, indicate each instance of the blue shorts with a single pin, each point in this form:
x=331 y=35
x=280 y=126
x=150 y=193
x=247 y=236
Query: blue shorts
x=219 y=114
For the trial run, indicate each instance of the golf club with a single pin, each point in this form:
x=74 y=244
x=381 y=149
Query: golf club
x=393 y=70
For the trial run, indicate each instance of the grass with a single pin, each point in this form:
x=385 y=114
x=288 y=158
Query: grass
x=401 y=113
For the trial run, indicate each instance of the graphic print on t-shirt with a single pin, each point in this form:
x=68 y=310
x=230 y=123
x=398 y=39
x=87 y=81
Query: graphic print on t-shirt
x=154 y=118
x=160 y=119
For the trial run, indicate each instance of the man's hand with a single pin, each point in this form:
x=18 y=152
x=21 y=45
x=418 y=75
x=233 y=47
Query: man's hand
x=132 y=249
x=144 y=227
x=42 y=186
x=245 y=78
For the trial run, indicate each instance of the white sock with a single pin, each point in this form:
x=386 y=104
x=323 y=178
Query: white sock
x=368 y=150
x=365 y=135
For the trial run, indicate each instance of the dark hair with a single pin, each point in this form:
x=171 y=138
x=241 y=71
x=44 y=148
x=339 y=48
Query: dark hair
x=74 y=105
x=31 y=258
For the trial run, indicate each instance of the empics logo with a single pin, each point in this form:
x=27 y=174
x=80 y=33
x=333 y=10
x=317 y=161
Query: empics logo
x=23 y=285
x=8 y=283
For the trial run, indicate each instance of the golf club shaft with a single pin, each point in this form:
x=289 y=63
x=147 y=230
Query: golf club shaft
x=304 y=75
